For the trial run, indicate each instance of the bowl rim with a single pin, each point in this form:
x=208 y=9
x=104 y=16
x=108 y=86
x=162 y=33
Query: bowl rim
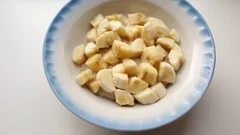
x=55 y=86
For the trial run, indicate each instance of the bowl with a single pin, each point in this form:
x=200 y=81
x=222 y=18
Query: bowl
x=68 y=30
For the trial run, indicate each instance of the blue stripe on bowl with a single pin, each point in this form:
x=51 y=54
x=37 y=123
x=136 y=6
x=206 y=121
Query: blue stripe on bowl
x=204 y=81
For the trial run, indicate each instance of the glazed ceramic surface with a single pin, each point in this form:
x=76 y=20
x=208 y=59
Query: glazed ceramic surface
x=68 y=30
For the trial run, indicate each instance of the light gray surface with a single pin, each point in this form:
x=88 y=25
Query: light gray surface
x=28 y=106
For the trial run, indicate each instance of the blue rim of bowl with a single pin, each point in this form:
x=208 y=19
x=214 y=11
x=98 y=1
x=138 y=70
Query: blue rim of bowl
x=48 y=64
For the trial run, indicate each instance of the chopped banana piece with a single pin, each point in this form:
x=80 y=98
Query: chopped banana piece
x=110 y=58
x=166 y=73
x=137 y=47
x=160 y=28
x=166 y=43
x=107 y=95
x=137 y=19
x=149 y=43
x=94 y=86
x=130 y=66
x=133 y=32
x=159 y=89
x=147 y=73
x=90 y=49
x=162 y=51
x=121 y=49
x=103 y=27
x=83 y=77
x=140 y=28
x=174 y=35
x=115 y=17
x=136 y=85
x=117 y=27
x=177 y=48
x=105 y=79
x=106 y=39
x=148 y=32
x=175 y=59
x=96 y=20
x=124 y=98
x=151 y=55
x=120 y=80
x=146 y=97
x=95 y=63
x=119 y=68
x=78 y=54
x=92 y=35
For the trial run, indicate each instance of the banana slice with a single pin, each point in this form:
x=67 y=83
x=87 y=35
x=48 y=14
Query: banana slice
x=117 y=27
x=137 y=19
x=106 y=39
x=84 y=77
x=159 y=27
x=123 y=98
x=177 y=48
x=159 y=89
x=151 y=55
x=103 y=27
x=133 y=32
x=90 y=49
x=121 y=49
x=162 y=51
x=94 y=86
x=148 y=32
x=146 y=96
x=95 y=63
x=119 y=68
x=115 y=17
x=110 y=58
x=174 y=35
x=78 y=54
x=107 y=95
x=137 y=47
x=92 y=35
x=147 y=73
x=96 y=20
x=175 y=59
x=105 y=79
x=136 y=85
x=130 y=66
x=166 y=43
x=120 y=80
x=149 y=43
x=166 y=73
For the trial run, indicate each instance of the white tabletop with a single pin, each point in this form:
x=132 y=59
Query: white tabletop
x=29 y=106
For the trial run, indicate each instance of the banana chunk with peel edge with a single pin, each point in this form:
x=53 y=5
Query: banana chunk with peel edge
x=123 y=98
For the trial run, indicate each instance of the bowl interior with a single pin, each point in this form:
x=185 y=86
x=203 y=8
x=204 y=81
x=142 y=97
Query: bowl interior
x=72 y=31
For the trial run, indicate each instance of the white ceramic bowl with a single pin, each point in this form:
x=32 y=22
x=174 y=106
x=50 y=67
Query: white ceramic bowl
x=68 y=30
